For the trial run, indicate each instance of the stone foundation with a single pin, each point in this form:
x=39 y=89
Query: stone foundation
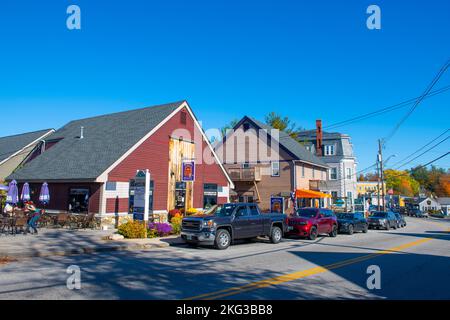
x=114 y=221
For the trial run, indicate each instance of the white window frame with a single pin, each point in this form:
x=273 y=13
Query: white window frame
x=349 y=173
x=329 y=150
x=331 y=177
x=303 y=170
x=272 y=168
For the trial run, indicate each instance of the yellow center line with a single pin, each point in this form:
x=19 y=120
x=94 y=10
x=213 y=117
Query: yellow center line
x=303 y=274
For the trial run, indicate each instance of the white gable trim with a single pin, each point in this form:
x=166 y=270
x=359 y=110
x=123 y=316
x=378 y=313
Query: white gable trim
x=104 y=176
x=27 y=146
x=209 y=145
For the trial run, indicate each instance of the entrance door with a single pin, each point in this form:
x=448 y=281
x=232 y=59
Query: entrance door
x=179 y=150
x=180 y=195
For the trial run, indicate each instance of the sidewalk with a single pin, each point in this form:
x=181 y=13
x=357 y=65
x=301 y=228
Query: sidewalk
x=60 y=242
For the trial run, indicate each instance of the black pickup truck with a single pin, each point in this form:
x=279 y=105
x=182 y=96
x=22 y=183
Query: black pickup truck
x=232 y=221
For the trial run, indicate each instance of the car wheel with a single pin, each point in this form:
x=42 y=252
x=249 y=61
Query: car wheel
x=223 y=239
x=395 y=226
x=333 y=232
x=312 y=233
x=350 y=229
x=365 y=229
x=388 y=226
x=276 y=235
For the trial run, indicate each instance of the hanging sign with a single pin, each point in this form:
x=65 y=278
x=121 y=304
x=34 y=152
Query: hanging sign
x=188 y=170
x=277 y=204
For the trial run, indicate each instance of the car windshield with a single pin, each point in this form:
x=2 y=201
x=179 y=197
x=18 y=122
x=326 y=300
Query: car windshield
x=225 y=210
x=345 y=216
x=379 y=215
x=307 y=213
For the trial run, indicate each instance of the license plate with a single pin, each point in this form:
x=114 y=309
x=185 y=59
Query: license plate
x=189 y=237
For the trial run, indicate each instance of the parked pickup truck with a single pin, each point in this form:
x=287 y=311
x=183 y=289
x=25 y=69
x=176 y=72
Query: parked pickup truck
x=232 y=221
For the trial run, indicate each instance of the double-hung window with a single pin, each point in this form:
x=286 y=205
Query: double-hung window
x=275 y=169
x=329 y=150
x=349 y=173
x=333 y=174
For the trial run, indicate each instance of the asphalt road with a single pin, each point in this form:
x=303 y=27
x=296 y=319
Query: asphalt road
x=414 y=263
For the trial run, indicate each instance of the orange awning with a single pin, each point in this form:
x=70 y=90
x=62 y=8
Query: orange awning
x=310 y=194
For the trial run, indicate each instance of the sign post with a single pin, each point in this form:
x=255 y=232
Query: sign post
x=141 y=195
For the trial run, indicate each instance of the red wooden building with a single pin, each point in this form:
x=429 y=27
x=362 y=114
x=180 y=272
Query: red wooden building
x=90 y=164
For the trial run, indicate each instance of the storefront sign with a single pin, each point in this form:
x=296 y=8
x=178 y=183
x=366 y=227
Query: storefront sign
x=277 y=204
x=141 y=195
x=188 y=170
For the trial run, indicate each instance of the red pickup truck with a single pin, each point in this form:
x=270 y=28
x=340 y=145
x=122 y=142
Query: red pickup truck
x=310 y=222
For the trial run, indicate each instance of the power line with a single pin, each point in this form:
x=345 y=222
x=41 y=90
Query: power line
x=420 y=149
x=418 y=101
x=384 y=110
x=421 y=166
x=426 y=151
x=381 y=111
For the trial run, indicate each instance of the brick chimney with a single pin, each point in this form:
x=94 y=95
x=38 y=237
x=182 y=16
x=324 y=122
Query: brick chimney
x=319 y=138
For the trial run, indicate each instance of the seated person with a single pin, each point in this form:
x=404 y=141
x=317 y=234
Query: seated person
x=8 y=210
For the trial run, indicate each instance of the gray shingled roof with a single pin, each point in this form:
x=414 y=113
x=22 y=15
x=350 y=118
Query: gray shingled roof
x=311 y=135
x=106 y=139
x=444 y=201
x=12 y=144
x=292 y=145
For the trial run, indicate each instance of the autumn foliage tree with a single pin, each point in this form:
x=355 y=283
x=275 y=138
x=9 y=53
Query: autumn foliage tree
x=401 y=182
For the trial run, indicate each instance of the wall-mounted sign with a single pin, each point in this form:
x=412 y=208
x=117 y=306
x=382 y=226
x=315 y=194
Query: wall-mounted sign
x=188 y=170
x=277 y=204
x=141 y=195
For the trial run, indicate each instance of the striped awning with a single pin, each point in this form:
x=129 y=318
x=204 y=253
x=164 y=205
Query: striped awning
x=310 y=194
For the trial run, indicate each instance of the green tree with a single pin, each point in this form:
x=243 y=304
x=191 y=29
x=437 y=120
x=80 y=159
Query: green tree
x=284 y=124
x=401 y=182
x=228 y=126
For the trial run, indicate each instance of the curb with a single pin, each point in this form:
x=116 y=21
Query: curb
x=85 y=250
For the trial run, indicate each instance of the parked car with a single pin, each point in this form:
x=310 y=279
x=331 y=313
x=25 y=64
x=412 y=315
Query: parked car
x=310 y=222
x=401 y=222
x=418 y=213
x=351 y=222
x=382 y=220
x=232 y=221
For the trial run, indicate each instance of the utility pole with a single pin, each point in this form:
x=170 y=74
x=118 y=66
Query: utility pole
x=380 y=159
x=378 y=182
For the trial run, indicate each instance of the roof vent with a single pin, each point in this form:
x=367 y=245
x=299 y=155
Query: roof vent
x=81 y=132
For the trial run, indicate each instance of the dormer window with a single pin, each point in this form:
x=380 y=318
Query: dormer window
x=329 y=150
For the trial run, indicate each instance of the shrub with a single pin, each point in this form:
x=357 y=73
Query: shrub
x=191 y=211
x=133 y=230
x=176 y=224
x=160 y=228
x=174 y=213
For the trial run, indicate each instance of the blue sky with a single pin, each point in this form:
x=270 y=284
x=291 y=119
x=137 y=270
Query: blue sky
x=306 y=59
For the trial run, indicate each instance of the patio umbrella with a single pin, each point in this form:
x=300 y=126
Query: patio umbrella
x=44 y=196
x=25 y=195
x=3 y=187
x=12 y=197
